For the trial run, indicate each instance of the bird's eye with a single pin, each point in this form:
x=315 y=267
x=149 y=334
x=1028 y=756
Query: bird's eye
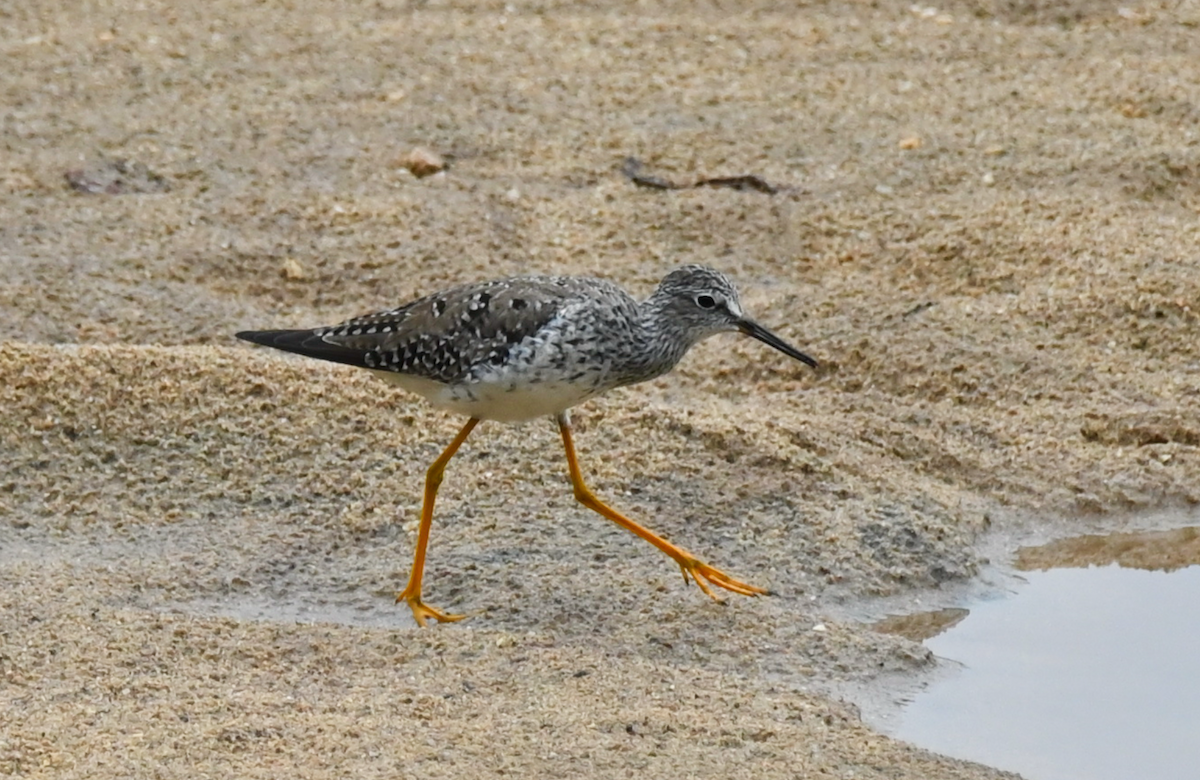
x=706 y=301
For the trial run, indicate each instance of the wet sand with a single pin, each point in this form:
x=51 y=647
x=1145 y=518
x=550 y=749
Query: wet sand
x=985 y=228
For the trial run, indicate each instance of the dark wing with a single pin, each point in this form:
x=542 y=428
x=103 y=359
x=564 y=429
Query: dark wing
x=304 y=342
x=441 y=336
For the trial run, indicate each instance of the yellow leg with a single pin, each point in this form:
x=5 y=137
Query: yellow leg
x=433 y=479
x=692 y=567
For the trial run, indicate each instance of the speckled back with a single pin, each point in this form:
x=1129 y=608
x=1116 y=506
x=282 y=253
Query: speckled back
x=445 y=335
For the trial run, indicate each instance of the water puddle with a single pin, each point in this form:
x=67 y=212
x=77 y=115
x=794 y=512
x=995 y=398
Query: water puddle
x=1090 y=671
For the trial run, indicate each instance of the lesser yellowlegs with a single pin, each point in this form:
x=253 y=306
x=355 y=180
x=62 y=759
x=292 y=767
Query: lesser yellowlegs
x=523 y=347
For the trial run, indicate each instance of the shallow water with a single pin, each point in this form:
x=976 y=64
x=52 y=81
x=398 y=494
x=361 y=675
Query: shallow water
x=1086 y=673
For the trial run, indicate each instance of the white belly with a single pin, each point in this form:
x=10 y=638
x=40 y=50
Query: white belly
x=502 y=401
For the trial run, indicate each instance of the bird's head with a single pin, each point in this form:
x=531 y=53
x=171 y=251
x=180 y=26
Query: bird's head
x=701 y=302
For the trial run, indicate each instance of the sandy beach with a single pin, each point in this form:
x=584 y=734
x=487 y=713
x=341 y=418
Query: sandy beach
x=981 y=218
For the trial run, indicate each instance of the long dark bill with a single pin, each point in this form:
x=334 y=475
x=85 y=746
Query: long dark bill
x=756 y=331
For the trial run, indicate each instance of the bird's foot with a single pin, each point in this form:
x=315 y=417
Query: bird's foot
x=705 y=575
x=422 y=612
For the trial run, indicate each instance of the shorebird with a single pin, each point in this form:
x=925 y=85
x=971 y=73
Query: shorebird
x=530 y=346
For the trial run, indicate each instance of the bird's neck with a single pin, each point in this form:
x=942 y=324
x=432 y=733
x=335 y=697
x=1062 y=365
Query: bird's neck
x=660 y=342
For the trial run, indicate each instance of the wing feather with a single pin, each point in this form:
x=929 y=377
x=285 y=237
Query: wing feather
x=444 y=335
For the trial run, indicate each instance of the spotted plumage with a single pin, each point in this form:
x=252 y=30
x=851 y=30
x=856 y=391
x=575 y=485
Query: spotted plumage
x=524 y=347
x=530 y=346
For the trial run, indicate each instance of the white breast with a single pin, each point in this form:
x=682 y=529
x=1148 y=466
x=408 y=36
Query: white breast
x=503 y=401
